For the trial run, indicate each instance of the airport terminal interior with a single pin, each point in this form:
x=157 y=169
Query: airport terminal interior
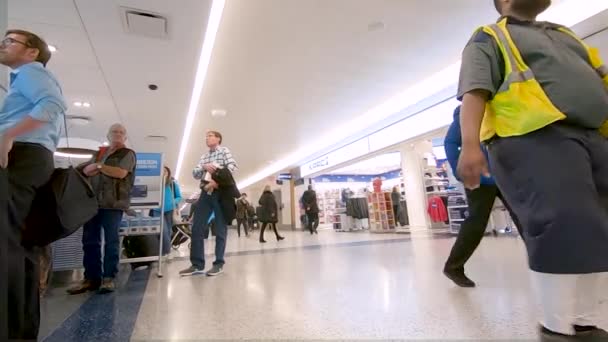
x=342 y=103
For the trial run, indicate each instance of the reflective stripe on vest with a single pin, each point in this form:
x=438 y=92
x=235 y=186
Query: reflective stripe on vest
x=521 y=106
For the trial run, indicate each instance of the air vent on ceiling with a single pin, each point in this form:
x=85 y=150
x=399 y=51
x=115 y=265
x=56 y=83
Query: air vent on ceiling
x=144 y=23
x=79 y=120
x=159 y=138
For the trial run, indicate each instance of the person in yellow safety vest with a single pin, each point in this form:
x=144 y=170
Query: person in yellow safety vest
x=537 y=95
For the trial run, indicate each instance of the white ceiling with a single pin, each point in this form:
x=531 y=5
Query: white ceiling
x=100 y=63
x=286 y=71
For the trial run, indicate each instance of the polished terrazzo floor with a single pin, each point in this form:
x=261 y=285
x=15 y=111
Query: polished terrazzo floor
x=331 y=286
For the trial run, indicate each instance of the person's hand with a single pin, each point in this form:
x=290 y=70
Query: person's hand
x=91 y=170
x=212 y=185
x=6 y=145
x=209 y=168
x=471 y=166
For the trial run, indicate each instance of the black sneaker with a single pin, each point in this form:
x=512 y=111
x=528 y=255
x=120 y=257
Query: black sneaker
x=591 y=333
x=215 y=270
x=191 y=271
x=459 y=278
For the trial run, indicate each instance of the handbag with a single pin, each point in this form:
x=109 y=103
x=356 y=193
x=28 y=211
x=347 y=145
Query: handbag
x=63 y=205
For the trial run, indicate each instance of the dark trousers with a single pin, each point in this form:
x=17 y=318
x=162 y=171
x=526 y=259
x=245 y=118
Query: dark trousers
x=30 y=167
x=313 y=221
x=245 y=224
x=481 y=201
x=556 y=180
x=200 y=228
x=274 y=227
x=108 y=221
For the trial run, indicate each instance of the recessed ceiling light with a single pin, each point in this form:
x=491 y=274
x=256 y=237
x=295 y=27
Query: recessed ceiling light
x=86 y=105
x=218 y=112
x=52 y=48
x=78 y=104
x=105 y=143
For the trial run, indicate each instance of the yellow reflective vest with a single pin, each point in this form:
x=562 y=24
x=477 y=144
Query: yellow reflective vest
x=521 y=106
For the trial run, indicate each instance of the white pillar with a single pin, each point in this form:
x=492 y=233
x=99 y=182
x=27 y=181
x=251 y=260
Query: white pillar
x=3 y=27
x=415 y=194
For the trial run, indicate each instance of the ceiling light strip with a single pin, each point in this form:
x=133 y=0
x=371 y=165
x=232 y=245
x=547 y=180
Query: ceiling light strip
x=569 y=13
x=72 y=155
x=213 y=24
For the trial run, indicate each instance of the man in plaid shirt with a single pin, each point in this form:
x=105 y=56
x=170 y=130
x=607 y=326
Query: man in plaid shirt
x=209 y=202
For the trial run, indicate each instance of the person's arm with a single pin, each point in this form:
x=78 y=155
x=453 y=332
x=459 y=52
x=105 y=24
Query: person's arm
x=230 y=162
x=481 y=76
x=126 y=166
x=198 y=171
x=44 y=92
x=49 y=105
x=177 y=193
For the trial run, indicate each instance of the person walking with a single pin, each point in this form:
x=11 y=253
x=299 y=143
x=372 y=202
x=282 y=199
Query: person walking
x=242 y=215
x=31 y=118
x=269 y=213
x=309 y=200
x=480 y=203
x=537 y=95
x=112 y=174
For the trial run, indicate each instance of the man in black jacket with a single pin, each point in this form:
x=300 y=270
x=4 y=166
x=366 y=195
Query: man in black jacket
x=218 y=192
x=309 y=199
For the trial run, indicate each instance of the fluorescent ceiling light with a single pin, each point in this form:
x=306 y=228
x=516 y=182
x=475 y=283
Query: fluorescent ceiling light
x=567 y=12
x=75 y=156
x=52 y=48
x=213 y=24
x=78 y=104
x=86 y=105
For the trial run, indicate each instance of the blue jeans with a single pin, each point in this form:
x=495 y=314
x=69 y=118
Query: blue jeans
x=109 y=221
x=167 y=230
x=200 y=228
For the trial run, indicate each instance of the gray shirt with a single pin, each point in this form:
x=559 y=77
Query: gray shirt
x=559 y=62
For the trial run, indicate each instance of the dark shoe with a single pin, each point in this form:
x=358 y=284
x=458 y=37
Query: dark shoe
x=591 y=333
x=459 y=278
x=547 y=335
x=280 y=238
x=215 y=270
x=191 y=271
x=108 y=286
x=262 y=241
x=84 y=286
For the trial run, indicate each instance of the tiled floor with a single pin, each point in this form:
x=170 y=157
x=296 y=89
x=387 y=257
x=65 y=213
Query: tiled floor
x=333 y=286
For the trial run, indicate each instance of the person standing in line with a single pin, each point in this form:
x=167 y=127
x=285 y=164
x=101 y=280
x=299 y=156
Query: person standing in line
x=112 y=174
x=211 y=201
x=309 y=199
x=537 y=95
x=242 y=208
x=269 y=213
x=173 y=196
x=480 y=201
x=30 y=124
x=396 y=199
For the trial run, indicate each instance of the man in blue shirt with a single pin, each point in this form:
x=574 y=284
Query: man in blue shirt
x=30 y=121
x=480 y=200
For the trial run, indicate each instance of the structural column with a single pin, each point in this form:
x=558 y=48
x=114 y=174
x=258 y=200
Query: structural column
x=415 y=195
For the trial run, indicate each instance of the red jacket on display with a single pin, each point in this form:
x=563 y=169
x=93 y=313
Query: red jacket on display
x=437 y=209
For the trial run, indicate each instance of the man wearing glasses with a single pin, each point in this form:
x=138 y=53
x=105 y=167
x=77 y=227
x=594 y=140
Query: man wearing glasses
x=30 y=121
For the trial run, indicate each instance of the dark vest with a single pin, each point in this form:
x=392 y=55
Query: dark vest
x=114 y=193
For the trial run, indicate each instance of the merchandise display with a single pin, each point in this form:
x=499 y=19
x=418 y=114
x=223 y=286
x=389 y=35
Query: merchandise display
x=382 y=218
